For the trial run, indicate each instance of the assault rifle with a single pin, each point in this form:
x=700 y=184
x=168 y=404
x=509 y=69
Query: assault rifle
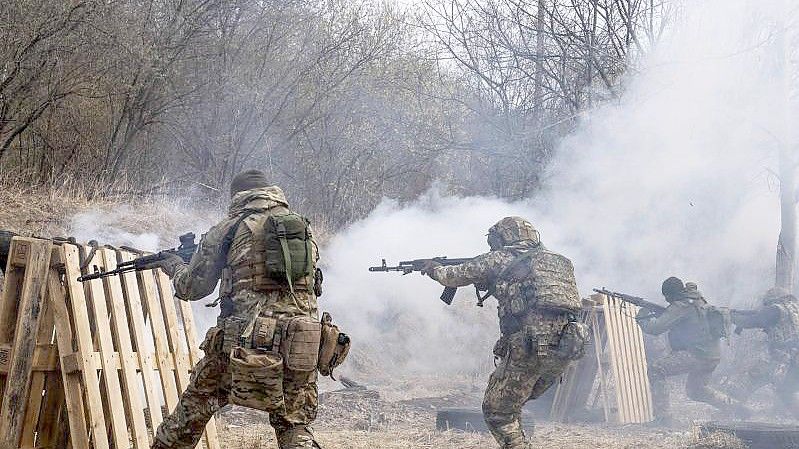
x=654 y=309
x=185 y=250
x=409 y=266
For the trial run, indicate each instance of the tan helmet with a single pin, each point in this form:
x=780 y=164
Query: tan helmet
x=514 y=229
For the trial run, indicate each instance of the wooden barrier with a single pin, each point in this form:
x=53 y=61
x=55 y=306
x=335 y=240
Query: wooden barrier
x=89 y=365
x=614 y=369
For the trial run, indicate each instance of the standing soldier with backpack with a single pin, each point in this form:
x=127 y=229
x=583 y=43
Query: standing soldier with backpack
x=538 y=303
x=264 y=351
x=695 y=329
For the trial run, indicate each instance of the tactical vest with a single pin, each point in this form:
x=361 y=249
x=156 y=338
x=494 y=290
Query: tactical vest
x=536 y=286
x=786 y=331
x=255 y=250
x=546 y=280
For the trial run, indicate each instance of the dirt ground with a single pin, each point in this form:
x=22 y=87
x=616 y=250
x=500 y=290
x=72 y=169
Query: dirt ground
x=361 y=419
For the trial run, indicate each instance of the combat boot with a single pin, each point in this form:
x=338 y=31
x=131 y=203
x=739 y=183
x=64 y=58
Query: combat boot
x=297 y=437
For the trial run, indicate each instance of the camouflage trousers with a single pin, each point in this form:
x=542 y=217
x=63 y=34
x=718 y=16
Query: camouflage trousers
x=208 y=391
x=521 y=375
x=697 y=384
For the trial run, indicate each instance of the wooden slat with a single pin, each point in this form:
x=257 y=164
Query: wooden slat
x=638 y=337
x=113 y=392
x=71 y=382
x=80 y=316
x=31 y=299
x=172 y=330
x=47 y=428
x=128 y=361
x=211 y=437
x=635 y=362
x=164 y=359
x=44 y=349
x=599 y=345
x=628 y=379
x=12 y=288
x=130 y=287
x=613 y=338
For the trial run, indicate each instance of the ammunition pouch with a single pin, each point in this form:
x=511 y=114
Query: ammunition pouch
x=333 y=348
x=257 y=379
x=296 y=339
x=300 y=343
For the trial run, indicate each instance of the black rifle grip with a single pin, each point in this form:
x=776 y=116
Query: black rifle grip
x=448 y=295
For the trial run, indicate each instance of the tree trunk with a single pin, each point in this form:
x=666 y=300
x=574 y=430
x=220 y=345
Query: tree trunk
x=786 y=245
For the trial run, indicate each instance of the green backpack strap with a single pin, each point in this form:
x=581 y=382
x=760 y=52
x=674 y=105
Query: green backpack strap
x=284 y=245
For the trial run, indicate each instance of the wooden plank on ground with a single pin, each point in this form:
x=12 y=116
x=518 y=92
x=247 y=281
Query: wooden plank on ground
x=31 y=301
x=127 y=358
x=115 y=413
x=130 y=286
x=83 y=338
x=164 y=359
x=71 y=381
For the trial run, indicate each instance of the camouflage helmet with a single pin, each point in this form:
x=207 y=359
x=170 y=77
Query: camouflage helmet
x=514 y=229
x=672 y=288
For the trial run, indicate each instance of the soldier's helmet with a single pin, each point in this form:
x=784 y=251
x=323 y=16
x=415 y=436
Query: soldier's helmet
x=775 y=294
x=672 y=288
x=513 y=230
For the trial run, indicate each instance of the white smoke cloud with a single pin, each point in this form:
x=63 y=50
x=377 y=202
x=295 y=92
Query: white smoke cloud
x=672 y=179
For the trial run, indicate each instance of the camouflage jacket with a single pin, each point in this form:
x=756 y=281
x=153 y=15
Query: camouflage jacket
x=687 y=329
x=199 y=278
x=484 y=271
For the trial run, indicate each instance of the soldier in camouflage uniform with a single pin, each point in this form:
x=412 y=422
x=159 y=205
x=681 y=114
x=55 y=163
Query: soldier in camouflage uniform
x=694 y=350
x=779 y=319
x=240 y=300
x=534 y=348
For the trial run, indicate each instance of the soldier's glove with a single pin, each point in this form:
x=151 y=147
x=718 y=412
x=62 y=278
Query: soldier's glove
x=429 y=266
x=169 y=263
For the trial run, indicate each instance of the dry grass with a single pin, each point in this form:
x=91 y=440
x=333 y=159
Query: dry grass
x=66 y=211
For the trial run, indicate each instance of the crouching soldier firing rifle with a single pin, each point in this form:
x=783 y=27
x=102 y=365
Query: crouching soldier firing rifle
x=538 y=303
x=269 y=343
x=694 y=330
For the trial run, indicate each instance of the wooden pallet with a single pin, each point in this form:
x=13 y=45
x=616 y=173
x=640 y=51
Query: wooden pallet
x=614 y=369
x=89 y=365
